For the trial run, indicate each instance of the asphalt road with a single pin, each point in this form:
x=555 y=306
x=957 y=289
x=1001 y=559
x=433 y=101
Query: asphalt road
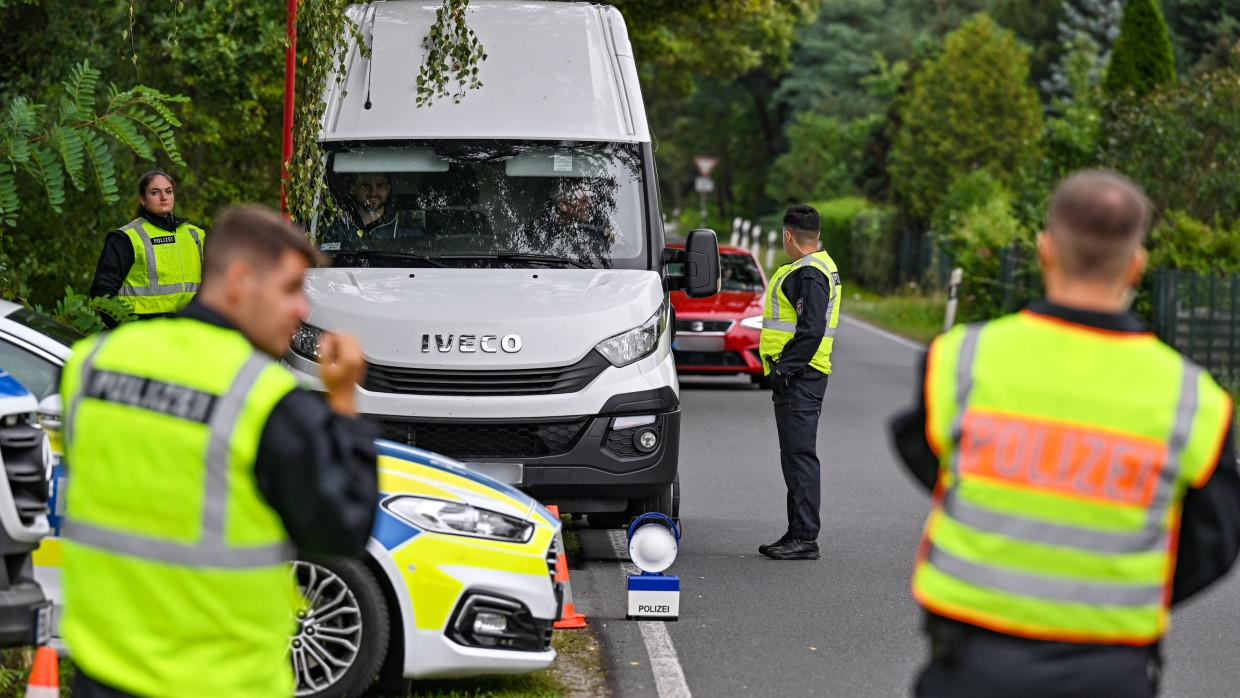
x=844 y=625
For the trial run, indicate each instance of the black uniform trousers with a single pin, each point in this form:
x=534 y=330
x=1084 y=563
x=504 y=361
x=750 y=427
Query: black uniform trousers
x=971 y=662
x=797 y=410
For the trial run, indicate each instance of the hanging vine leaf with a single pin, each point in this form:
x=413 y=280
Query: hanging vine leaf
x=452 y=51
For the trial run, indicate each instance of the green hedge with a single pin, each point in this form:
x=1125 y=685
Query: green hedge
x=837 y=217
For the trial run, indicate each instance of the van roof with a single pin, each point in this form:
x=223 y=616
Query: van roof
x=554 y=71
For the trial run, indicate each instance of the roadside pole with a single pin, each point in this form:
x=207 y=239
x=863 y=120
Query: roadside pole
x=953 y=297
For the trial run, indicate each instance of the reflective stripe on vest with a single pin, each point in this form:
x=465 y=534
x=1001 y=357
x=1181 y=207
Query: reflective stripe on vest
x=1091 y=514
x=778 y=330
x=153 y=287
x=210 y=550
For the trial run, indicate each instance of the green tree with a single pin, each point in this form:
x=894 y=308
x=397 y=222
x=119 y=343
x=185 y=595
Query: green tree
x=968 y=108
x=1087 y=26
x=1202 y=32
x=835 y=54
x=823 y=158
x=723 y=39
x=1142 y=59
x=1182 y=143
x=1037 y=23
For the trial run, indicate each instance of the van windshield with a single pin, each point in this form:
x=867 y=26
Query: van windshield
x=485 y=204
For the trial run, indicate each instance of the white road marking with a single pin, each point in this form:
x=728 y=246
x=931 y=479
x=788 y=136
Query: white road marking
x=669 y=677
x=879 y=331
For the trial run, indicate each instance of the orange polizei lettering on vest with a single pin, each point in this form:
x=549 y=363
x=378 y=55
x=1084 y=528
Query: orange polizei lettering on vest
x=1070 y=459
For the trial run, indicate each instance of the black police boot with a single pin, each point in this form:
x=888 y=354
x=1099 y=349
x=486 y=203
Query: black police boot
x=766 y=547
x=794 y=549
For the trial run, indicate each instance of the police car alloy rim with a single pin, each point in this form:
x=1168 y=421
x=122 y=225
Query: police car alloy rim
x=329 y=629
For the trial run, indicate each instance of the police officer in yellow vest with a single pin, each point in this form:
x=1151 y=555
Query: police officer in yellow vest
x=800 y=313
x=154 y=262
x=196 y=465
x=1084 y=474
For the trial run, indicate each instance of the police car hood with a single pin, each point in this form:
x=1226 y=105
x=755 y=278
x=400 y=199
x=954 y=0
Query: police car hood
x=418 y=317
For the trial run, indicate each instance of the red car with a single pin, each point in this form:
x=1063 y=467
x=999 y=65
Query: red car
x=719 y=335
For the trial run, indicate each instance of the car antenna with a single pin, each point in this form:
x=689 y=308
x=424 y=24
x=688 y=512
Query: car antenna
x=370 y=64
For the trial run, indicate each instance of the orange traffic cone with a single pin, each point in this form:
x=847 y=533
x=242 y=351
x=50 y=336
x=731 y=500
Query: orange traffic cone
x=44 y=675
x=570 y=619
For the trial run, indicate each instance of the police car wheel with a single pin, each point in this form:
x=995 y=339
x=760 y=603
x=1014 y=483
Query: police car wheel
x=763 y=382
x=342 y=634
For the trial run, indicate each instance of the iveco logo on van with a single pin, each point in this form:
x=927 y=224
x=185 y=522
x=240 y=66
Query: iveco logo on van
x=470 y=343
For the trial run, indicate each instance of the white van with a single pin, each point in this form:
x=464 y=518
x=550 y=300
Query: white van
x=511 y=298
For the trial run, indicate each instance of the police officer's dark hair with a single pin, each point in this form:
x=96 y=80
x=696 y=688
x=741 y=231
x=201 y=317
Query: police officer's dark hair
x=803 y=221
x=256 y=234
x=145 y=179
x=1096 y=219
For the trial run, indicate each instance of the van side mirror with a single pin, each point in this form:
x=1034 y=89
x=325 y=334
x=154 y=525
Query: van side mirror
x=701 y=259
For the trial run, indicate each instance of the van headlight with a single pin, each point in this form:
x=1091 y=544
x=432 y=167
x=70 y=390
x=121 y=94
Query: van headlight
x=306 y=341
x=753 y=323
x=637 y=343
x=459 y=518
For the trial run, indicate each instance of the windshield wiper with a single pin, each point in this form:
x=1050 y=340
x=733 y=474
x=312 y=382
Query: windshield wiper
x=388 y=253
x=518 y=257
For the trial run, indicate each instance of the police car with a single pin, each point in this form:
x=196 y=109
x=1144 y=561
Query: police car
x=25 y=613
x=456 y=579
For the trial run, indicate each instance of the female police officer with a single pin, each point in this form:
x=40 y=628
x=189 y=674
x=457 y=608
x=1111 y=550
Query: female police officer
x=154 y=262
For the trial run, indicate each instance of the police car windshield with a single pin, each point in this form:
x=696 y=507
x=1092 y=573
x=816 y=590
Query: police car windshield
x=486 y=204
x=44 y=325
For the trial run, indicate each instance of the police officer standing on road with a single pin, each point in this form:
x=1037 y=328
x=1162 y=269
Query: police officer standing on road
x=1084 y=474
x=154 y=262
x=194 y=462
x=799 y=316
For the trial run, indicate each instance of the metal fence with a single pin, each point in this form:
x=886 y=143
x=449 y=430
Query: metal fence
x=920 y=259
x=1199 y=315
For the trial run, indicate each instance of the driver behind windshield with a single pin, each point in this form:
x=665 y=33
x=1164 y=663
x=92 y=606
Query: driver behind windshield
x=576 y=223
x=367 y=213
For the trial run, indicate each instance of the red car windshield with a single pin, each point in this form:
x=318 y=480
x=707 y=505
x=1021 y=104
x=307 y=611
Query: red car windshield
x=738 y=272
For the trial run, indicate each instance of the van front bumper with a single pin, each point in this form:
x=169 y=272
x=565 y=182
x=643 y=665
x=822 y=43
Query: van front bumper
x=607 y=456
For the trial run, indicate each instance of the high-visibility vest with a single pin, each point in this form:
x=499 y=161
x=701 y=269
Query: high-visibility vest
x=1065 y=452
x=779 y=315
x=167 y=267
x=175 y=573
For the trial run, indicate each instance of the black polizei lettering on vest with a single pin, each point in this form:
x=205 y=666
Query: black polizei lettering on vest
x=144 y=393
x=163 y=240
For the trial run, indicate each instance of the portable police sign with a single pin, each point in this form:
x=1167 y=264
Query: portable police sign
x=653 y=544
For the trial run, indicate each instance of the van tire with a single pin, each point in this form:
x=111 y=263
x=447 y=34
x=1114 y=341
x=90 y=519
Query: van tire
x=346 y=588
x=666 y=502
x=763 y=382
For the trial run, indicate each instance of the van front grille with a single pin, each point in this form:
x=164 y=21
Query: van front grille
x=538 y=381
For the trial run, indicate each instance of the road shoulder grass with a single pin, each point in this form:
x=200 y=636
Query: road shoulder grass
x=915 y=316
